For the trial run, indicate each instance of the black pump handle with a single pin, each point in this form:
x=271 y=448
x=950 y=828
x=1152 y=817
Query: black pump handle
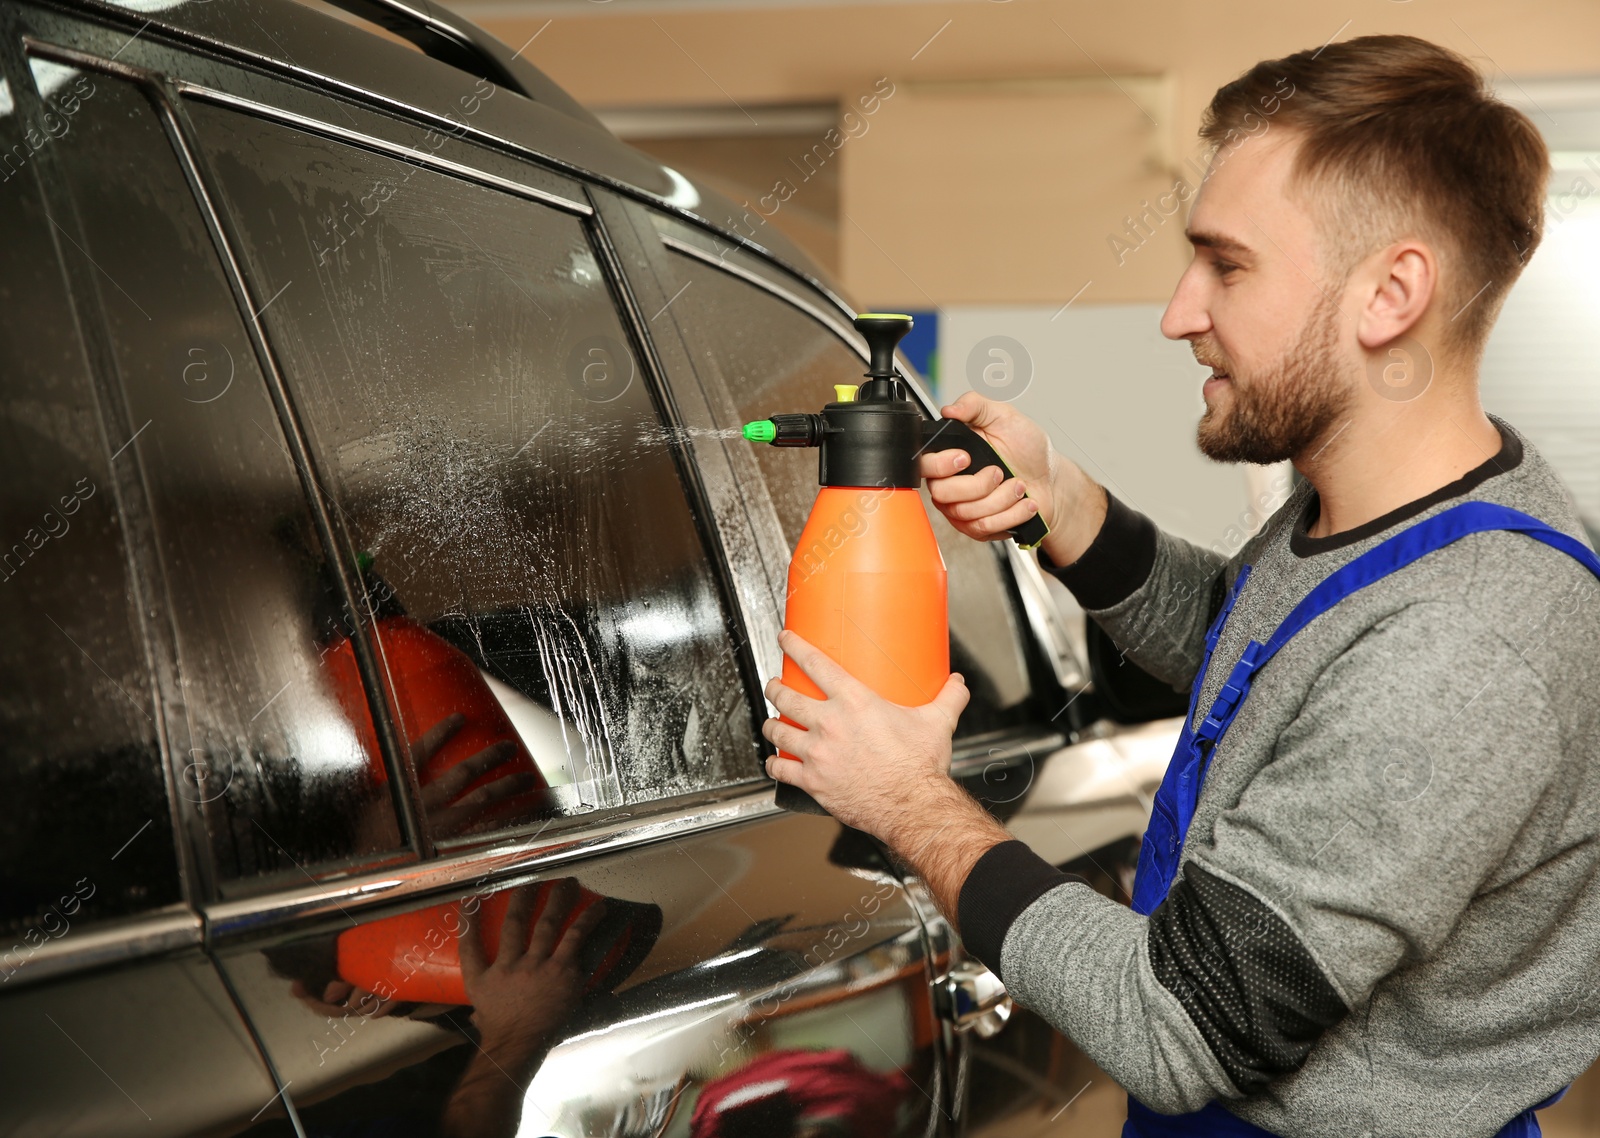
x=952 y=434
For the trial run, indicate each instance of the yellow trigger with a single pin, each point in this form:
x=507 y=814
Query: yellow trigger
x=844 y=392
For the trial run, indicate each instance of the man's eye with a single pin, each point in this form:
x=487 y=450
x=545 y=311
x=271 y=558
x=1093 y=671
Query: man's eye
x=1223 y=268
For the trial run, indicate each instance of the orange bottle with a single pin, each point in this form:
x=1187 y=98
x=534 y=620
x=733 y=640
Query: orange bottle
x=432 y=679
x=416 y=956
x=867 y=584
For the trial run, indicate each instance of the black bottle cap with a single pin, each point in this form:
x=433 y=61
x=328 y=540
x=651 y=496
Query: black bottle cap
x=883 y=331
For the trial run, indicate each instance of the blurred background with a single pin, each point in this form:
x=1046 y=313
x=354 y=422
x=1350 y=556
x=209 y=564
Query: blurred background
x=1010 y=172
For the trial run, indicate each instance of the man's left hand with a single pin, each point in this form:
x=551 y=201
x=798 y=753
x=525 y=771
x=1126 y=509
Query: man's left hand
x=882 y=768
x=872 y=764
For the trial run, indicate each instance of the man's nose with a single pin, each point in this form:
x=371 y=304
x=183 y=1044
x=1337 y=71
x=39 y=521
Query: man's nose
x=1186 y=315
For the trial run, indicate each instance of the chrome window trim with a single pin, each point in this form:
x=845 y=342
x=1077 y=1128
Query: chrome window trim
x=74 y=57
x=1049 y=624
x=152 y=934
x=228 y=920
x=381 y=146
x=845 y=331
x=838 y=327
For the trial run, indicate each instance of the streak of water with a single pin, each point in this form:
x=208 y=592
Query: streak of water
x=656 y=434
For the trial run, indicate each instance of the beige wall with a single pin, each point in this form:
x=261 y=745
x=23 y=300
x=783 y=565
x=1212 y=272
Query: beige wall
x=973 y=187
x=970 y=194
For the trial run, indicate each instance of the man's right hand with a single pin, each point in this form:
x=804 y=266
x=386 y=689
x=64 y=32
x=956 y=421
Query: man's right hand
x=987 y=505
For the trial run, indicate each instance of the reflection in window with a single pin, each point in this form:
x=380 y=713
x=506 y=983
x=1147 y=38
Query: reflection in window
x=546 y=615
x=767 y=356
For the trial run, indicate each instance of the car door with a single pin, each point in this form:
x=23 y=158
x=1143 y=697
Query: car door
x=112 y=1019
x=498 y=521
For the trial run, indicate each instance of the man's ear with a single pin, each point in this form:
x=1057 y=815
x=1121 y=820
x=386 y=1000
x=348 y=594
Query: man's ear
x=1398 y=285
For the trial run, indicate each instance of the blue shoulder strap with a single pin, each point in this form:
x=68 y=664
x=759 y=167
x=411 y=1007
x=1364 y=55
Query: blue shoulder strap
x=1415 y=542
x=1411 y=544
x=1175 y=801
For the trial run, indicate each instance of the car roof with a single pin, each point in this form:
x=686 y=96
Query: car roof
x=306 y=46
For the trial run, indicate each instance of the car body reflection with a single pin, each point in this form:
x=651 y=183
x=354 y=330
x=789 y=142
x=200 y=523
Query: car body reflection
x=807 y=1094
x=618 y=1001
x=691 y=1039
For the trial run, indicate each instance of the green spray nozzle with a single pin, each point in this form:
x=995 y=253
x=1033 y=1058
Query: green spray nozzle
x=787 y=430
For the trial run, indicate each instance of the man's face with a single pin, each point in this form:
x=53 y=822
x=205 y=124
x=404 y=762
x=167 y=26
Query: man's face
x=1253 y=307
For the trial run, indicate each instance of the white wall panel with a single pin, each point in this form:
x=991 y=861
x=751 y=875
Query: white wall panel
x=1116 y=397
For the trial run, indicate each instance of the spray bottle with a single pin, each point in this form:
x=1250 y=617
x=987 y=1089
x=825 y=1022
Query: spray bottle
x=867 y=583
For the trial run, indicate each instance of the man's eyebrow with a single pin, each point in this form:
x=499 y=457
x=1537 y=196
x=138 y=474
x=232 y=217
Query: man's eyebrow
x=1200 y=238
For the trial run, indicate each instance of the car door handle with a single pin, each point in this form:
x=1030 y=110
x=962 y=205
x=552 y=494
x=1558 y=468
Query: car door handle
x=973 y=999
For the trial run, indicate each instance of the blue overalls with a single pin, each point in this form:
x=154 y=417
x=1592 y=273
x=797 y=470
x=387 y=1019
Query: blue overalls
x=1180 y=788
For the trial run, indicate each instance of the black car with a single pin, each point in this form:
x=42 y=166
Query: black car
x=386 y=598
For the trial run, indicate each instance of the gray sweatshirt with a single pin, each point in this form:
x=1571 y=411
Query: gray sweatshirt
x=1387 y=917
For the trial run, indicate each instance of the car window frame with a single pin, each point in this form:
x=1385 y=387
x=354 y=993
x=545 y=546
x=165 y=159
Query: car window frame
x=176 y=926
x=428 y=869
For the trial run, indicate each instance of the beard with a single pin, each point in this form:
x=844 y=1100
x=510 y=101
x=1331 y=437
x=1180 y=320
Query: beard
x=1280 y=410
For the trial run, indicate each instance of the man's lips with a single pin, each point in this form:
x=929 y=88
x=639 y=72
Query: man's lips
x=1215 y=382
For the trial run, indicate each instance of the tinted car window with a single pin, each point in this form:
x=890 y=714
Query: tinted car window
x=769 y=356
x=85 y=833
x=545 y=606
x=275 y=747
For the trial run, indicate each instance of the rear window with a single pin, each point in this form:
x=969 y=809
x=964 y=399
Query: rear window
x=271 y=738
x=85 y=833
x=545 y=609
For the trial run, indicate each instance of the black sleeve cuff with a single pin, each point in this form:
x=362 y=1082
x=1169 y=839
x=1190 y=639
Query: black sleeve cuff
x=1117 y=562
x=1006 y=880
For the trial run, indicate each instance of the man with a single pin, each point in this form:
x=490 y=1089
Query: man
x=1367 y=902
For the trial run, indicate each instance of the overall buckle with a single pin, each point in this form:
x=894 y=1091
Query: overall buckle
x=1234 y=689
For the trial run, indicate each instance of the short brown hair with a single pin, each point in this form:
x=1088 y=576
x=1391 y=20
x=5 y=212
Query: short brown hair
x=1401 y=137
